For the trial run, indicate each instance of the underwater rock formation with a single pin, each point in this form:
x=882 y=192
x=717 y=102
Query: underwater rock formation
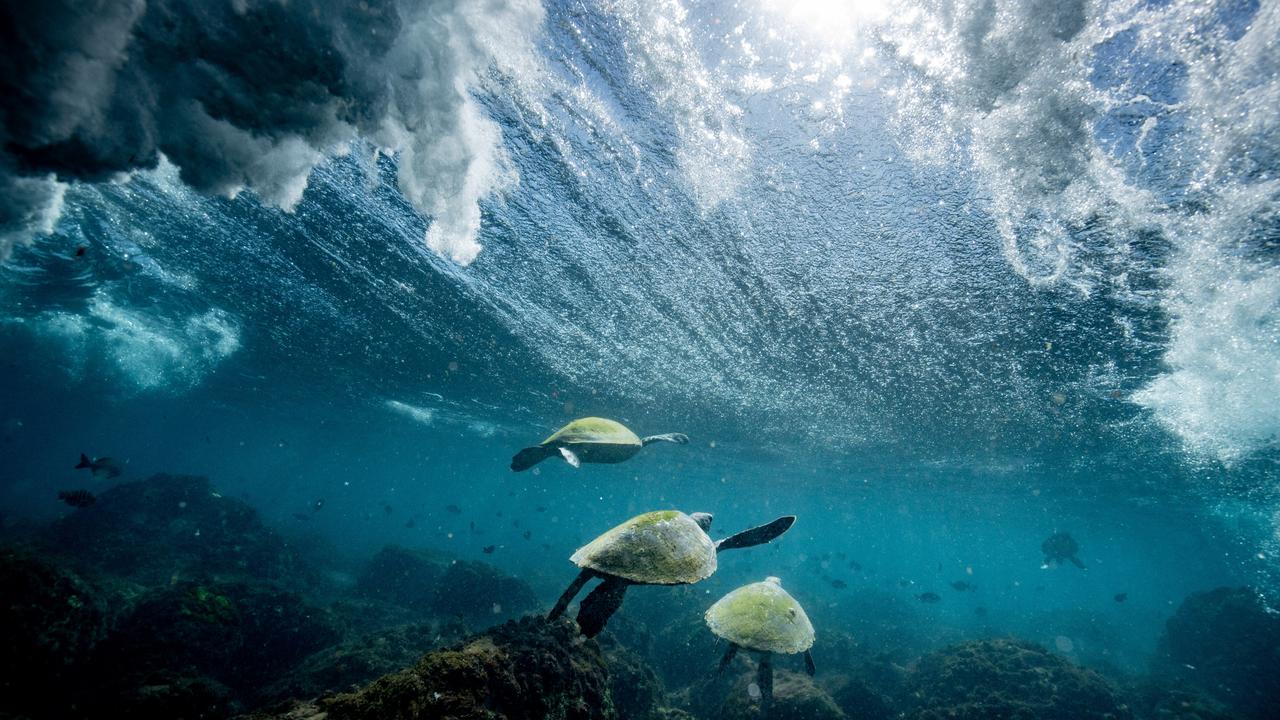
x=201 y=638
x=794 y=696
x=1007 y=679
x=634 y=687
x=871 y=690
x=427 y=582
x=173 y=526
x=402 y=576
x=521 y=670
x=50 y=621
x=481 y=595
x=1227 y=643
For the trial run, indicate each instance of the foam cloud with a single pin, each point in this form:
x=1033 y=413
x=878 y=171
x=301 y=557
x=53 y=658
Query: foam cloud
x=253 y=94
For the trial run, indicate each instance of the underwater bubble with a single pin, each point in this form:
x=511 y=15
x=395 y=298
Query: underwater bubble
x=1064 y=644
x=753 y=691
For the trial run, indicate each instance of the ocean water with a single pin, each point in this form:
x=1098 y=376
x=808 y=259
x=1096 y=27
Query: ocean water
x=939 y=278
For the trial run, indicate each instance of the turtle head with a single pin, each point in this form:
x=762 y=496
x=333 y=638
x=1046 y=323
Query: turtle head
x=772 y=580
x=703 y=520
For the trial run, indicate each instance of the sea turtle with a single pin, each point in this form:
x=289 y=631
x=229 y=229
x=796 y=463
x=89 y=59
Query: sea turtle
x=590 y=440
x=665 y=547
x=765 y=618
x=1058 y=547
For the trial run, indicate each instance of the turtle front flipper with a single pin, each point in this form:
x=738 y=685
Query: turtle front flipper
x=1077 y=562
x=809 y=667
x=764 y=679
x=677 y=438
x=728 y=658
x=569 y=593
x=757 y=535
x=600 y=604
x=531 y=456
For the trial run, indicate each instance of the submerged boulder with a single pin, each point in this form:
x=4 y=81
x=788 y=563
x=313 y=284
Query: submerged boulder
x=481 y=595
x=526 y=669
x=1226 y=643
x=1007 y=679
x=402 y=576
x=795 y=695
x=174 y=526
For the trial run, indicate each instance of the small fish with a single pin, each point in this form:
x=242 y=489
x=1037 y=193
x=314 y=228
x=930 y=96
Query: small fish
x=855 y=566
x=499 y=513
x=906 y=583
x=99 y=466
x=929 y=597
x=472 y=526
x=546 y=546
x=1121 y=597
x=528 y=534
x=411 y=522
x=980 y=611
x=453 y=509
x=963 y=585
x=540 y=509
x=839 y=584
x=318 y=505
x=387 y=509
x=80 y=250
x=77 y=498
x=515 y=523
x=301 y=516
x=488 y=549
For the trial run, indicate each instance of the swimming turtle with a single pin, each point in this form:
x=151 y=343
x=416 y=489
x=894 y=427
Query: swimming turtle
x=1058 y=547
x=765 y=618
x=590 y=440
x=665 y=547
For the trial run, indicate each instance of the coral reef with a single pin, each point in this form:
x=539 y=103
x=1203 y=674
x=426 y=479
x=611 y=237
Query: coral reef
x=1227 y=643
x=1007 y=679
x=173 y=526
x=50 y=621
x=522 y=669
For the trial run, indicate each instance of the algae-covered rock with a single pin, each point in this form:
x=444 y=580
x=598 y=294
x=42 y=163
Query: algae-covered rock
x=636 y=691
x=794 y=696
x=522 y=670
x=50 y=621
x=238 y=635
x=1007 y=679
x=1227 y=643
x=665 y=547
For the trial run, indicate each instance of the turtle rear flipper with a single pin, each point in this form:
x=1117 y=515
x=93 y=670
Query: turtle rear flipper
x=764 y=680
x=531 y=456
x=757 y=535
x=809 y=667
x=728 y=658
x=600 y=604
x=677 y=438
x=569 y=593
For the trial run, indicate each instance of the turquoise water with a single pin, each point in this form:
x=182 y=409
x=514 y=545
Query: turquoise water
x=940 y=279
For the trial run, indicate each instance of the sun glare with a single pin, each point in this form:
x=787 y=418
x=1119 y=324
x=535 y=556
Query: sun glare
x=832 y=21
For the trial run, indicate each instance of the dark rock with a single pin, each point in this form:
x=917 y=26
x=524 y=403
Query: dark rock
x=174 y=526
x=481 y=595
x=50 y=621
x=522 y=670
x=871 y=690
x=1226 y=643
x=402 y=576
x=636 y=690
x=237 y=635
x=1007 y=679
x=1158 y=700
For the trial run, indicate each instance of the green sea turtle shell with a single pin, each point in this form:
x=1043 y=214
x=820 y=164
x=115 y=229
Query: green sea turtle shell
x=594 y=430
x=665 y=547
x=762 y=616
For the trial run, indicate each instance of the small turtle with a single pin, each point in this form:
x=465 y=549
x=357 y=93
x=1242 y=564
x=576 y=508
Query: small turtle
x=765 y=618
x=590 y=440
x=665 y=547
x=1058 y=547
